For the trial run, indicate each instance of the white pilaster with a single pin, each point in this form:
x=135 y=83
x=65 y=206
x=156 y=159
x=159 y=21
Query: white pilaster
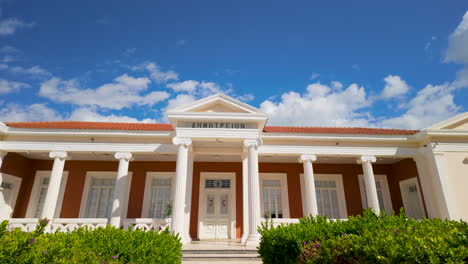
x=309 y=185
x=437 y=168
x=178 y=212
x=369 y=181
x=188 y=197
x=120 y=189
x=245 y=197
x=5 y=211
x=254 y=191
x=424 y=178
x=50 y=202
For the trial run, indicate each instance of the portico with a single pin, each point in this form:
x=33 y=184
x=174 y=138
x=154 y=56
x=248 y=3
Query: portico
x=216 y=172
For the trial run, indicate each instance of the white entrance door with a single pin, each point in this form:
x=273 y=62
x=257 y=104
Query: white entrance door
x=217 y=206
x=412 y=198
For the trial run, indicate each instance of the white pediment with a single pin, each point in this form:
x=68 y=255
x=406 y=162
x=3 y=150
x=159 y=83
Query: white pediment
x=218 y=103
x=217 y=116
x=458 y=122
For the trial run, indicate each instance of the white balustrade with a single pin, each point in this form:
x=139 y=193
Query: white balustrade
x=147 y=224
x=72 y=224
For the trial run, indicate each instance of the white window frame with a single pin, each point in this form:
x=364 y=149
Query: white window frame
x=338 y=178
x=404 y=196
x=383 y=179
x=102 y=175
x=282 y=177
x=16 y=184
x=34 y=199
x=147 y=194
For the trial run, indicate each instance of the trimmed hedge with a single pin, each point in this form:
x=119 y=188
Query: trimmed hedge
x=365 y=239
x=103 y=245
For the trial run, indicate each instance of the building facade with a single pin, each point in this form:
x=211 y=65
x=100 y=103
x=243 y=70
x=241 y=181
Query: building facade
x=217 y=171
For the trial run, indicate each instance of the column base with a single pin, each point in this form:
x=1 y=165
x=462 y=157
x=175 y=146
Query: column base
x=253 y=240
x=185 y=240
x=244 y=239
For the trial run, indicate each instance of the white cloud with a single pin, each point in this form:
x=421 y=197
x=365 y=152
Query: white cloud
x=88 y=114
x=9 y=86
x=246 y=97
x=8 y=49
x=432 y=104
x=394 y=87
x=33 y=71
x=185 y=86
x=181 y=42
x=156 y=74
x=319 y=106
x=314 y=76
x=34 y=112
x=457 y=50
x=124 y=92
x=3 y=66
x=8 y=26
x=179 y=100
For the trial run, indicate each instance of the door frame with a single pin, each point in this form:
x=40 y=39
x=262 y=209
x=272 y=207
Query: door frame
x=202 y=206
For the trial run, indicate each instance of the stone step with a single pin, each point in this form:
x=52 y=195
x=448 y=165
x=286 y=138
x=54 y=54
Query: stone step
x=219 y=256
x=219 y=251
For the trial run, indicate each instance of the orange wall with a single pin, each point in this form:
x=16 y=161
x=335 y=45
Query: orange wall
x=25 y=168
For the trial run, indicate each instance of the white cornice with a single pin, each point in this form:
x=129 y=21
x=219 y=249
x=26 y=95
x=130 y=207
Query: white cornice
x=29 y=146
x=87 y=132
x=340 y=137
x=337 y=151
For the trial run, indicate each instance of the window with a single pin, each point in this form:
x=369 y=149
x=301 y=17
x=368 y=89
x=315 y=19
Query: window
x=98 y=194
x=39 y=192
x=10 y=186
x=274 y=195
x=158 y=195
x=330 y=196
x=383 y=193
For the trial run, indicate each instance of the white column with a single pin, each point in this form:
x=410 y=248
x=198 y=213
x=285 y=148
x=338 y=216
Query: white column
x=120 y=189
x=188 y=197
x=254 y=191
x=5 y=211
x=309 y=185
x=245 y=197
x=50 y=202
x=178 y=212
x=369 y=181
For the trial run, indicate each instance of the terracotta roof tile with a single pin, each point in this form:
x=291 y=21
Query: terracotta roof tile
x=90 y=125
x=168 y=127
x=339 y=130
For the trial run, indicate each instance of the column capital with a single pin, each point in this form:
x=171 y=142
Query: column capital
x=307 y=157
x=58 y=155
x=180 y=141
x=255 y=142
x=123 y=156
x=366 y=158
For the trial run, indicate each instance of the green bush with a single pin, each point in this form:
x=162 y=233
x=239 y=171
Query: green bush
x=365 y=239
x=103 y=245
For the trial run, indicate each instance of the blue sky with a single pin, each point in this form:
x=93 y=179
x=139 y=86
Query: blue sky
x=399 y=64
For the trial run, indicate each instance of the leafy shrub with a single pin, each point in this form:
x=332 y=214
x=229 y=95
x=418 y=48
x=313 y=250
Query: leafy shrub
x=365 y=239
x=103 y=245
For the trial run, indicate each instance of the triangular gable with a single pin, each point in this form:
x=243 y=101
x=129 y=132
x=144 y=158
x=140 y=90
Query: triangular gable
x=217 y=103
x=458 y=122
